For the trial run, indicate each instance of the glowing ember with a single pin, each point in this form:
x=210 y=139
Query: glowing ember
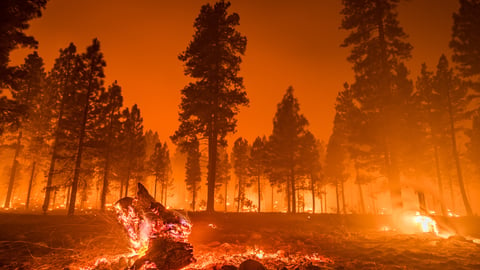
x=210 y=260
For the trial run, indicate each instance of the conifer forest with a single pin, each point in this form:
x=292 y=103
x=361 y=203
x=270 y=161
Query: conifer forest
x=215 y=134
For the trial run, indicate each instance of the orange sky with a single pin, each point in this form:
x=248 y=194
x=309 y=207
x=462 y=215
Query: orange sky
x=289 y=43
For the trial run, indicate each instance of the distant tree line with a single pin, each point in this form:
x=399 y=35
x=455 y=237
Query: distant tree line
x=388 y=126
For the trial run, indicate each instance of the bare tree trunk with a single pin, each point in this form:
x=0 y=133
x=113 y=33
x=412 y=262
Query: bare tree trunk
x=288 y=197
x=13 y=171
x=212 y=162
x=78 y=160
x=121 y=189
x=452 y=193
x=439 y=182
x=166 y=191
x=54 y=197
x=325 y=198
x=67 y=203
x=259 y=193
x=103 y=196
x=239 y=198
x=155 y=187
x=343 y=198
x=321 y=203
x=461 y=185
x=312 y=188
x=51 y=170
x=294 y=203
x=337 y=196
x=360 y=192
x=194 y=194
x=226 y=190
x=127 y=180
x=272 y=198
x=362 y=201
x=30 y=183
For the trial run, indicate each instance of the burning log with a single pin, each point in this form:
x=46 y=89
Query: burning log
x=159 y=237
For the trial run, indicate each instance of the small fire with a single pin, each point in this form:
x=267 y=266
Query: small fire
x=426 y=224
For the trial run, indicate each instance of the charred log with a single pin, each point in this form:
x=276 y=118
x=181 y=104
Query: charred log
x=157 y=235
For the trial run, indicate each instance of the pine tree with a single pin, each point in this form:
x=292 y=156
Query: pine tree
x=93 y=83
x=28 y=87
x=151 y=140
x=257 y=164
x=309 y=149
x=133 y=143
x=110 y=128
x=63 y=81
x=452 y=92
x=15 y=15
x=289 y=127
x=378 y=49
x=240 y=158
x=161 y=168
x=335 y=167
x=210 y=103
x=432 y=121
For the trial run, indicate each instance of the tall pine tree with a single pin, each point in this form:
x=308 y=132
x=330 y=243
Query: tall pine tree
x=210 y=103
x=285 y=159
x=378 y=49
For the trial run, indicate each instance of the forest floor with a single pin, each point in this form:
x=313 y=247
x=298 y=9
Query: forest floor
x=278 y=241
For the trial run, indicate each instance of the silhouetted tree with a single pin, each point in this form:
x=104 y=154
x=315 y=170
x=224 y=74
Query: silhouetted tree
x=311 y=162
x=109 y=133
x=335 y=167
x=210 y=103
x=257 y=164
x=193 y=175
x=133 y=143
x=240 y=158
x=40 y=114
x=15 y=15
x=433 y=121
x=452 y=92
x=222 y=177
x=93 y=80
x=378 y=47
x=28 y=88
x=161 y=168
x=151 y=140
x=289 y=127
x=63 y=80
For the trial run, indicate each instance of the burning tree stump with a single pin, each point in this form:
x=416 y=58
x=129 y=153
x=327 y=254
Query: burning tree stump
x=159 y=237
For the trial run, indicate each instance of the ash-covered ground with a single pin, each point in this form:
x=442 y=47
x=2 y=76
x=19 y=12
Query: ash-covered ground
x=278 y=241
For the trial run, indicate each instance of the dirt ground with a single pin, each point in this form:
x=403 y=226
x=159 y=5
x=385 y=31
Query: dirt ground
x=279 y=241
